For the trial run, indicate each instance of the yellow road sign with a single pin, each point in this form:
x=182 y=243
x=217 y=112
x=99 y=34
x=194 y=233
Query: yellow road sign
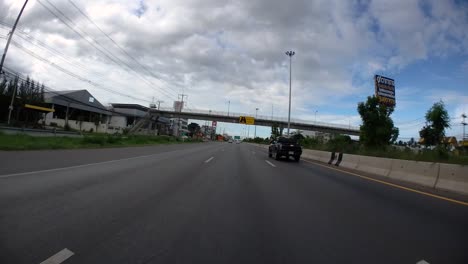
x=248 y=120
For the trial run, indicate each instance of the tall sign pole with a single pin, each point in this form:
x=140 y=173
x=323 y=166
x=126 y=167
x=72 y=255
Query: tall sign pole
x=10 y=108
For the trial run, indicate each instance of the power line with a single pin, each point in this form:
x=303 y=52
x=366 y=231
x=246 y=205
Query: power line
x=142 y=66
x=83 y=13
x=109 y=52
x=111 y=57
x=31 y=53
x=73 y=62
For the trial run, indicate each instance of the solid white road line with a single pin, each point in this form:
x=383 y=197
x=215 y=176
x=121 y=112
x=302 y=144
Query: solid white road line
x=271 y=164
x=208 y=160
x=58 y=258
x=81 y=166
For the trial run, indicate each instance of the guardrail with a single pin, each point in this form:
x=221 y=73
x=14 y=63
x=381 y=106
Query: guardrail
x=38 y=132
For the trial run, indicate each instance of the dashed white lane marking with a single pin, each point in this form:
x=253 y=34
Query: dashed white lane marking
x=422 y=262
x=271 y=164
x=58 y=258
x=208 y=160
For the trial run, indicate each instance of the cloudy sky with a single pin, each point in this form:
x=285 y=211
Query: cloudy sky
x=217 y=51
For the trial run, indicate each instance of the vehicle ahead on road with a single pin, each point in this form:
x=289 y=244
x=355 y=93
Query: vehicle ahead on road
x=238 y=141
x=230 y=141
x=286 y=147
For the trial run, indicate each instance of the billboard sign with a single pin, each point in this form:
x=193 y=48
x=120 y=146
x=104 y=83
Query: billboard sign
x=248 y=120
x=385 y=90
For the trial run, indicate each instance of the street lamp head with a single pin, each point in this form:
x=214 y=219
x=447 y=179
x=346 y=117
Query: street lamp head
x=290 y=53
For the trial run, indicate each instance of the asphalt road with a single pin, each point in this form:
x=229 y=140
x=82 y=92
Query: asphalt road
x=213 y=203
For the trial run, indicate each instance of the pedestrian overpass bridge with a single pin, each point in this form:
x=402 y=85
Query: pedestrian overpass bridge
x=259 y=121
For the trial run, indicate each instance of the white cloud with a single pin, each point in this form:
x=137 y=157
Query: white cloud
x=217 y=51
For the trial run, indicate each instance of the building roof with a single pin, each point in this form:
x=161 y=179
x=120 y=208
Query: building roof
x=130 y=106
x=78 y=99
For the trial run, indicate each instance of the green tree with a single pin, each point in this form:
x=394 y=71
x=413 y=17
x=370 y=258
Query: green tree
x=275 y=132
x=193 y=128
x=437 y=120
x=298 y=135
x=377 y=127
x=42 y=93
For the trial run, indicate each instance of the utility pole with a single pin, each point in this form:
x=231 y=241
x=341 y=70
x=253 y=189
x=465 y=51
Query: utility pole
x=464 y=124
x=229 y=106
x=159 y=104
x=290 y=54
x=10 y=108
x=182 y=95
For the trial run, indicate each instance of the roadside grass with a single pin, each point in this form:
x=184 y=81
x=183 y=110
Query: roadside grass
x=26 y=142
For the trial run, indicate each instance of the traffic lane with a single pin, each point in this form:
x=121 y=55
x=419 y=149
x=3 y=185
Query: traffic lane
x=14 y=161
x=77 y=215
x=234 y=223
x=378 y=220
x=37 y=184
x=214 y=219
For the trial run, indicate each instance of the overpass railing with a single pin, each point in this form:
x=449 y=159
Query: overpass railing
x=263 y=117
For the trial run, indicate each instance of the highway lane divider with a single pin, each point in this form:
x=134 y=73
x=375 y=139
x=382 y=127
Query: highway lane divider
x=453 y=177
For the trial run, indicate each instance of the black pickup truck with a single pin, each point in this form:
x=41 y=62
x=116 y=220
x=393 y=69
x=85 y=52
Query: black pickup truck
x=286 y=147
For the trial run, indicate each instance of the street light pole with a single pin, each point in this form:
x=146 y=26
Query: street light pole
x=255 y=132
x=10 y=108
x=229 y=106
x=316 y=116
x=290 y=54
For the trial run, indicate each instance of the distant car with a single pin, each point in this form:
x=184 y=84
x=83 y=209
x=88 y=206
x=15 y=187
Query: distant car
x=238 y=141
x=230 y=141
x=285 y=147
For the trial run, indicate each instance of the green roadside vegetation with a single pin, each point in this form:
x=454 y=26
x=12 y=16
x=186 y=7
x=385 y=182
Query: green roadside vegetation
x=26 y=142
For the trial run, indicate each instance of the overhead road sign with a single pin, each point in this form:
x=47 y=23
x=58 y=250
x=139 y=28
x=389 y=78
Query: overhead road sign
x=248 y=120
x=385 y=90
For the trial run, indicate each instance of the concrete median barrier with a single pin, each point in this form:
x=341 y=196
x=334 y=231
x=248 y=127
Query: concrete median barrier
x=423 y=173
x=453 y=177
x=374 y=165
x=350 y=161
x=317 y=155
